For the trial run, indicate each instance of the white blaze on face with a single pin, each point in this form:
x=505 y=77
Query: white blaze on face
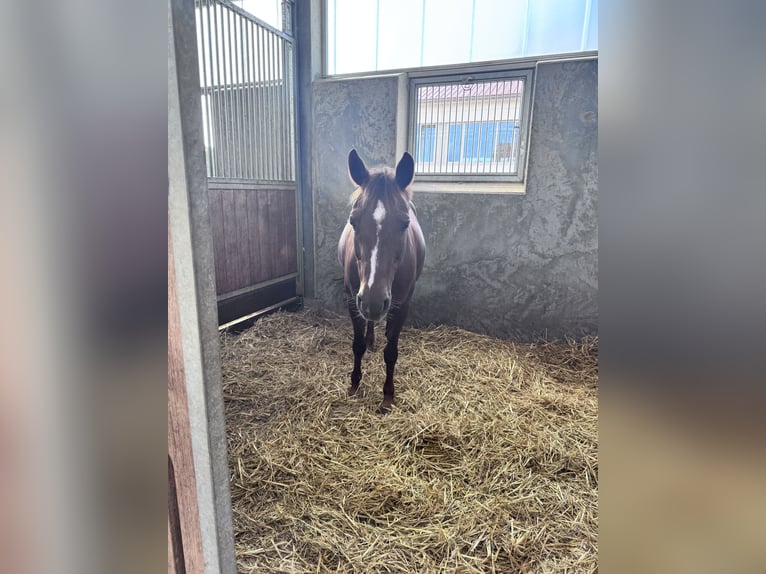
x=379 y=215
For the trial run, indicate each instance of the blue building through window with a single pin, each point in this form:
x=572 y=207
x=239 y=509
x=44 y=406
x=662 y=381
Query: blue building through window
x=479 y=144
x=426 y=144
x=470 y=142
x=453 y=142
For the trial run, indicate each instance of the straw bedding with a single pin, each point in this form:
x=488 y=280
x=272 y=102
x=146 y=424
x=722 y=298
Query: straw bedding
x=488 y=462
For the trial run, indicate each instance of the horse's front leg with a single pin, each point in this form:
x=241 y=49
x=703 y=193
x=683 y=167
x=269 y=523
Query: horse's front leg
x=369 y=338
x=394 y=324
x=359 y=346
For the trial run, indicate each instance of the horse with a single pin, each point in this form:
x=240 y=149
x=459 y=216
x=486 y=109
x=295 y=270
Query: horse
x=382 y=251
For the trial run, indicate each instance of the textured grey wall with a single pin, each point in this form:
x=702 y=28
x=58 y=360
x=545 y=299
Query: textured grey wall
x=515 y=266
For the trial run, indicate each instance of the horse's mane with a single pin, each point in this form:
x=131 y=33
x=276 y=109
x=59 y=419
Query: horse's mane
x=380 y=185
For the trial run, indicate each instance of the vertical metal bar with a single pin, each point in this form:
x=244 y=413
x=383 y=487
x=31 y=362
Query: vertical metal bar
x=293 y=109
x=215 y=92
x=261 y=105
x=243 y=90
x=497 y=116
x=266 y=107
x=227 y=101
x=272 y=109
x=234 y=66
x=241 y=95
x=487 y=86
x=438 y=141
x=211 y=95
x=444 y=141
x=278 y=63
x=467 y=110
x=454 y=90
x=200 y=34
x=286 y=107
x=479 y=128
x=243 y=99
x=283 y=93
x=198 y=10
x=249 y=92
x=456 y=165
x=235 y=90
x=435 y=164
x=262 y=93
x=280 y=109
x=221 y=102
x=256 y=100
x=225 y=92
x=517 y=136
x=279 y=151
x=239 y=83
x=267 y=116
x=290 y=112
x=434 y=89
x=460 y=108
x=498 y=162
x=419 y=127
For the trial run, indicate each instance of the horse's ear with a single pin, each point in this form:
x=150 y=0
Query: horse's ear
x=356 y=169
x=405 y=171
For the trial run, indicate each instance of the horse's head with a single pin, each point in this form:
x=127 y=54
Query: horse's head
x=380 y=218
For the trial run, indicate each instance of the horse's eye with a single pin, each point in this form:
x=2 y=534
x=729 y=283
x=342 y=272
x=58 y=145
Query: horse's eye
x=352 y=222
x=405 y=225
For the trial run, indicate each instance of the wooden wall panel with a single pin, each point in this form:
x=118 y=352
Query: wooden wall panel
x=254 y=236
x=216 y=224
x=232 y=279
x=265 y=237
x=291 y=233
x=257 y=272
x=243 y=230
x=281 y=233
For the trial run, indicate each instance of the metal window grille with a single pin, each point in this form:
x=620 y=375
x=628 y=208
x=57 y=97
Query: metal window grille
x=470 y=128
x=247 y=82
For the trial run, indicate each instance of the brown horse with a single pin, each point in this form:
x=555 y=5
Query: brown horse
x=382 y=251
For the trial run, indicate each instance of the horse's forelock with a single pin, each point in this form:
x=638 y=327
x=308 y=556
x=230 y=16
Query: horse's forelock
x=380 y=185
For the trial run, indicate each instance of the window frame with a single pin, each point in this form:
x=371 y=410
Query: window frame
x=421 y=80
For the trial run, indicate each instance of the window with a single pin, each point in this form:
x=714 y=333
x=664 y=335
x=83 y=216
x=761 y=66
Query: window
x=470 y=128
x=371 y=35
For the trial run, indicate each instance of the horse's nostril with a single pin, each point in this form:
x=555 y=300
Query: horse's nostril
x=386 y=303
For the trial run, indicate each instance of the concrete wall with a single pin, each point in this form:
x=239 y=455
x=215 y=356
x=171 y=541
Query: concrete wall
x=515 y=266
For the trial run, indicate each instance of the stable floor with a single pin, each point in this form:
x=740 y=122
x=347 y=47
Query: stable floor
x=488 y=463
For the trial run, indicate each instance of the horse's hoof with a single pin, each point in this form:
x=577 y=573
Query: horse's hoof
x=352 y=390
x=385 y=406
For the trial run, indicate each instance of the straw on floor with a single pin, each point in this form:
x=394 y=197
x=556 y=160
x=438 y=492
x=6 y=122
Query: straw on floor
x=488 y=463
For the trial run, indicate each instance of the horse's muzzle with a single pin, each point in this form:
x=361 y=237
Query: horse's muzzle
x=373 y=308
